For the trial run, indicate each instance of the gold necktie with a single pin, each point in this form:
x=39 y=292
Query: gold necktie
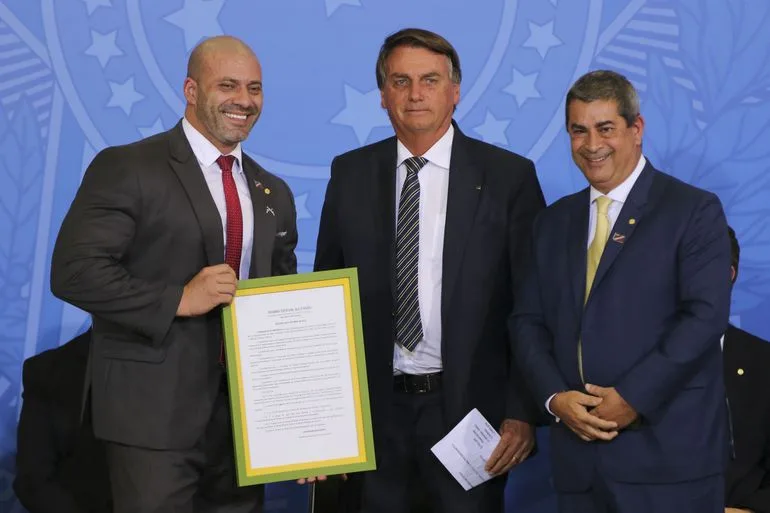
x=595 y=250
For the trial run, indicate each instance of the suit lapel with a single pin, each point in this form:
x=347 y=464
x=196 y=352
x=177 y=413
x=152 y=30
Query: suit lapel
x=264 y=222
x=466 y=182
x=383 y=199
x=629 y=218
x=188 y=171
x=577 y=245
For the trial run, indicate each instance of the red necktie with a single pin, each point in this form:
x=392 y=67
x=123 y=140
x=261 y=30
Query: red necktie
x=234 y=223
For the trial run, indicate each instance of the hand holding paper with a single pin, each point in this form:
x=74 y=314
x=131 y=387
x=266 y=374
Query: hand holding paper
x=464 y=451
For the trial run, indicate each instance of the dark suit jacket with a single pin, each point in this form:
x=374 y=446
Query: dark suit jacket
x=493 y=197
x=650 y=328
x=142 y=224
x=60 y=466
x=748 y=474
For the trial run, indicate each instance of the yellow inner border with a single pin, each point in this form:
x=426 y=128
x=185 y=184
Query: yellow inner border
x=345 y=284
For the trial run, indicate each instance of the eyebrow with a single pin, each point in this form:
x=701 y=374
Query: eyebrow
x=430 y=74
x=235 y=81
x=600 y=124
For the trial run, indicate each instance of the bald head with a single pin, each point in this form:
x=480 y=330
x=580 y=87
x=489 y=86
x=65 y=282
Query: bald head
x=215 y=47
x=223 y=90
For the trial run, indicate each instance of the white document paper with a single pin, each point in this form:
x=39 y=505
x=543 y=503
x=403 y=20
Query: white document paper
x=466 y=449
x=297 y=381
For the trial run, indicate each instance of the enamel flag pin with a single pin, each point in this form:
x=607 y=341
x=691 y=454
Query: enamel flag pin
x=618 y=237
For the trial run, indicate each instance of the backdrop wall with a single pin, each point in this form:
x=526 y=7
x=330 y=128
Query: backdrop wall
x=78 y=75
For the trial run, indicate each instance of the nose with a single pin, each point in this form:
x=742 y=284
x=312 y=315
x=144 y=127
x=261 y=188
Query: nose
x=243 y=98
x=592 y=141
x=415 y=91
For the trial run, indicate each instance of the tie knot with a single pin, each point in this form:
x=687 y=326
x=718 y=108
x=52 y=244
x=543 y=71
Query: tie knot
x=603 y=204
x=226 y=163
x=414 y=164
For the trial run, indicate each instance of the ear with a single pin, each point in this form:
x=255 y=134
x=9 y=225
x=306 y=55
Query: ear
x=190 y=89
x=382 y=99
x=638 y=128
x=733 y=274
x=456 y=93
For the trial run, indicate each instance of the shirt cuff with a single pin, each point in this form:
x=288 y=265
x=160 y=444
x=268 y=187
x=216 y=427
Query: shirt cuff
x=548 y=407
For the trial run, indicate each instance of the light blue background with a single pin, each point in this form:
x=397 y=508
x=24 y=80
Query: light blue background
x=77 y=75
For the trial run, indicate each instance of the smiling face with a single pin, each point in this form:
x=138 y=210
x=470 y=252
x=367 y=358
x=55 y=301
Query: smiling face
x=224 y=100
x=419 y=93
x=604 y=146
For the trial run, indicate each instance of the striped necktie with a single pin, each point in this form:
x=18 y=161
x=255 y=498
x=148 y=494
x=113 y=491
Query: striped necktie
x=408 y=322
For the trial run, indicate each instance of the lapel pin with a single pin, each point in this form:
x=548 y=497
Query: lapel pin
x=267 y=190
x=618 y=237
x=740 y=372
x=269 y=210
x=478 y=187
x=632 y=221
x=257 y=184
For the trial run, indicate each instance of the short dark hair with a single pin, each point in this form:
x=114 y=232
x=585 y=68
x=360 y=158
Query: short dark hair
x=605 y=85
x=735 y=251
x=417 y=38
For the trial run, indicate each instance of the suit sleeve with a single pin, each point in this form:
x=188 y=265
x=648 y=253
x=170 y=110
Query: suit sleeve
x=37 y=455
x=524 y=208
x=704 y=303
x=87 y=268
x=328 y=254
x=531 y=340
x=284 y=258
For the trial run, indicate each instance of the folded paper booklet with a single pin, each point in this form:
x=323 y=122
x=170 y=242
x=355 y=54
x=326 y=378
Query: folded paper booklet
x=466 y=449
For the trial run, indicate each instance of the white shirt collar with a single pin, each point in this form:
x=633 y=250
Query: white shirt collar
x=206 y=153
x=621 y=192
x=439 y=154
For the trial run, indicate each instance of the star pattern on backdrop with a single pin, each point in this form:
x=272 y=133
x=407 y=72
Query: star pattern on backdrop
x=155 y=128
x=92 y=5
x=301 y=204
x=542 y=38
x=333 y=5
x=362 y=112
x=198 y=19
x=124 y=95
x=104 y=47
x=522 y=87
x=493 y=129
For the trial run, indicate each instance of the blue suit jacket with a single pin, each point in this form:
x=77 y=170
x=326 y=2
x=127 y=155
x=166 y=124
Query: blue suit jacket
x=650 y=328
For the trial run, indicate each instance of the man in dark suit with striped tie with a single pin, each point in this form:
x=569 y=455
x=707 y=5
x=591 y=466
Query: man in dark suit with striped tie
x=437 y=224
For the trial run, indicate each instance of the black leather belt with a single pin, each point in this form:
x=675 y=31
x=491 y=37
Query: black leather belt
x=417 y=383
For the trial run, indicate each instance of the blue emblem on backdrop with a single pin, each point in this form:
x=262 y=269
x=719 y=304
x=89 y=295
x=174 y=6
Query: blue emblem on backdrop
x=79 y=75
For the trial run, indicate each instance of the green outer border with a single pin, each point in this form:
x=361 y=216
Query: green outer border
x=235 y=393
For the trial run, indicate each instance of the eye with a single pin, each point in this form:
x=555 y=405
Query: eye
x=226 y=86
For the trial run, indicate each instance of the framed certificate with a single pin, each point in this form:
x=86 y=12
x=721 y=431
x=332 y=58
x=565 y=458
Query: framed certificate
x=297 y=377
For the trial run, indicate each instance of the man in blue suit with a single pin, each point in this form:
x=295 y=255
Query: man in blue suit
x=618 y=321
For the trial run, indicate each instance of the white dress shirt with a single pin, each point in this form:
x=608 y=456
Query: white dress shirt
x=434 y=187
x=207 y=154
x=618 y=195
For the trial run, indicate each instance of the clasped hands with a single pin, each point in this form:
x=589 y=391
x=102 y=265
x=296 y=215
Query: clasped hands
x=599 y=414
